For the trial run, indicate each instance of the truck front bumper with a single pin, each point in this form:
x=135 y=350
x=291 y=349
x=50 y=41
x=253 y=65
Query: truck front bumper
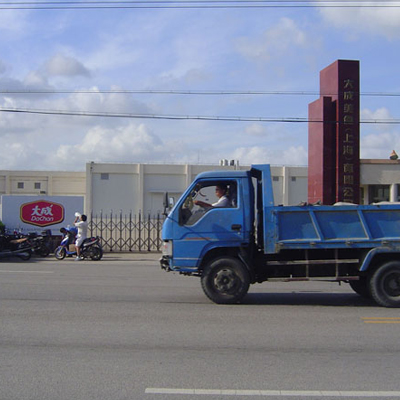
x=165 y=263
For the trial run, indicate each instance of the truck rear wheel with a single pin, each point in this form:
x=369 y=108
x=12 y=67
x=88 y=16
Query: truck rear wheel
x=361 y=287
x=385 y=285
x=225 y=280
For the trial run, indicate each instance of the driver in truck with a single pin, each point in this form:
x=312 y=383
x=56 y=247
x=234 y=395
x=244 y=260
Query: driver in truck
x=220 y=192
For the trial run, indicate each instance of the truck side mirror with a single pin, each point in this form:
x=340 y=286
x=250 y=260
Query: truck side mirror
x=168 y=203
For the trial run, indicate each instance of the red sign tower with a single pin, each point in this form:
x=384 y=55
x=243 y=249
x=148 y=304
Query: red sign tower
x=334 y=136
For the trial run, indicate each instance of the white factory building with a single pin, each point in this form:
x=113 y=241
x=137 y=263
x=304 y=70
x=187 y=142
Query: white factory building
x=140 y=188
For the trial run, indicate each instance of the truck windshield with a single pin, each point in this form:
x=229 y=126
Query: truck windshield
x=206 y=196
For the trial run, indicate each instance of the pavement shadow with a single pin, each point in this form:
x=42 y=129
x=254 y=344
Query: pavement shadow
x=308 y=299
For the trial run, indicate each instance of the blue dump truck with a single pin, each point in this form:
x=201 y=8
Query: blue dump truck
x=250 y=240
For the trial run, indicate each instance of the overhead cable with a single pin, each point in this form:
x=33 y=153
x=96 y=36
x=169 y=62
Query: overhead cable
x=54 y=5
x=392 y=121
x=191 y=92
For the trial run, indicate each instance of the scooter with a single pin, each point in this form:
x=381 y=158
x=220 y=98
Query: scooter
x=90 y=248
x=12 y=245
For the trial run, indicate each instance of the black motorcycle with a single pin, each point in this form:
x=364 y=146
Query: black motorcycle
x=15 y=246
x=40 y=243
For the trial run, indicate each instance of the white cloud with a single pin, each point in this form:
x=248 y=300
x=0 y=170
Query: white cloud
x=254 y=155
x=380 y=145
x=124 y=144
x=60 y=65
x=36 y=80
x=273 y=42
x=13 y=22
x=3 y=67
x=256 y=130
x=378 y=140
x=384 y=21
x=379 y=114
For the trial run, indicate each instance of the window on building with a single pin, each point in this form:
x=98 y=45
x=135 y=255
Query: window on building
x=37 y=185
x=293 y=179
x=379 y=193
x=20 y=185
x=275 y=178
x=104 y=177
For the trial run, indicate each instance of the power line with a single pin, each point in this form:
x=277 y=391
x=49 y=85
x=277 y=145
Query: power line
x=194 y=92
x=59 y=5
x=393 y=121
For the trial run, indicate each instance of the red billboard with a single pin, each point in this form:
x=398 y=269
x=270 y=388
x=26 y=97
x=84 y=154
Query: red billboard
x=42 y=213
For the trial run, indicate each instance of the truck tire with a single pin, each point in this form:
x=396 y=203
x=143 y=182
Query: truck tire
x=225 y=280
x=361 y=287
x=385 y=284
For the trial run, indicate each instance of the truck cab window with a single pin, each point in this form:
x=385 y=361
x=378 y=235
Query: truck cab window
x=206 y=196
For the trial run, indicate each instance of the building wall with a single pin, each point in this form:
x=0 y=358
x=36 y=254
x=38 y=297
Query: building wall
x=134 y=188
x=50 y=183
x=382 y=174
x=141 y=188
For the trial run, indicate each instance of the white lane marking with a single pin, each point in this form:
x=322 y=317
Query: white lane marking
x=29 y=272
x=300 y=393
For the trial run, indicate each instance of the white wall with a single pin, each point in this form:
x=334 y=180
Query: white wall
x=52 y=183
x=141 y=187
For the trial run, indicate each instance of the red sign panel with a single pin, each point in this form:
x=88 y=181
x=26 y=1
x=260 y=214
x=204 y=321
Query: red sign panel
x=42 y=213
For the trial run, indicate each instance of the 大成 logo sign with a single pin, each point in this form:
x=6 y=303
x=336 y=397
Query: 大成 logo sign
x=42 y=213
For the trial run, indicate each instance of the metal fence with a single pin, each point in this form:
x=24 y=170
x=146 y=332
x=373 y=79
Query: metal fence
x=127 y=232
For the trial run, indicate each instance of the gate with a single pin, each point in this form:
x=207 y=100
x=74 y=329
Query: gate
x=120 y=232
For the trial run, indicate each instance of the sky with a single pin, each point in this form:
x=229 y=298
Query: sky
x=187 y=85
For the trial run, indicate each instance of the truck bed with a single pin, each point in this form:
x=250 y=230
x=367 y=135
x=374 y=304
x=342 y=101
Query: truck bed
x=324 y=227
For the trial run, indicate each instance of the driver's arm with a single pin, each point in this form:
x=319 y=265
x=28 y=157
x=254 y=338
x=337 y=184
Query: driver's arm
x=202 y=203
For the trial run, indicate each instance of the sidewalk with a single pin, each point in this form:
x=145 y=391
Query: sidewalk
x=134 y=256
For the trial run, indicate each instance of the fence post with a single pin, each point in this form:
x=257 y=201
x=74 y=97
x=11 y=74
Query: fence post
x=140 y=231
x=148 y=234
x=158 y=232
x=130 y=231
x=101 y=223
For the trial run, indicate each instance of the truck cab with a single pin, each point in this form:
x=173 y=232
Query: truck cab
x=192 y=231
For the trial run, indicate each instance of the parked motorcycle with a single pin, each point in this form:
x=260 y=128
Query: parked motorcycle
x=14 y=245
x=90 y=248
x=39 y=243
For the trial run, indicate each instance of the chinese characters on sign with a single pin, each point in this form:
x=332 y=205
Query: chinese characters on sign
x=42 y=213
x=348 y=143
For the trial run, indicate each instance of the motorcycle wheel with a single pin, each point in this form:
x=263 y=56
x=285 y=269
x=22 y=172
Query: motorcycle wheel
x=26 y=255
x=44 y=251
x=60 y=253
x=96 y=253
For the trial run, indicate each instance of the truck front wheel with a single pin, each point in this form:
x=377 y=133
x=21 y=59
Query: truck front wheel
x=225 y=280
x=385 y=285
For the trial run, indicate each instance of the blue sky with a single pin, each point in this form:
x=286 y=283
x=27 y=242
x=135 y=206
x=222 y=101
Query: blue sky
x=67 y=53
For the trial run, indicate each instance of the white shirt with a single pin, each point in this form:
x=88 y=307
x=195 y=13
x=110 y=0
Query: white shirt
x=82 y=229
x=222 y=202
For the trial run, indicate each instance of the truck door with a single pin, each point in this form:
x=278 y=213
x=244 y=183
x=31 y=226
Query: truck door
x=209 y=218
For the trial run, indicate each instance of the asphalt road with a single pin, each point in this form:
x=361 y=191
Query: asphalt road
x=123 y=329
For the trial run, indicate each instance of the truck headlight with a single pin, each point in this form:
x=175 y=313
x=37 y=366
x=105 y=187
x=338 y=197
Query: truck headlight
x=167 y=249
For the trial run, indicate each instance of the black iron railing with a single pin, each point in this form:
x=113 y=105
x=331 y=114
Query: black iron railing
x=127 y=232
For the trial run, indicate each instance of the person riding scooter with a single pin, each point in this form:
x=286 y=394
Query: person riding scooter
x=82 y=225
